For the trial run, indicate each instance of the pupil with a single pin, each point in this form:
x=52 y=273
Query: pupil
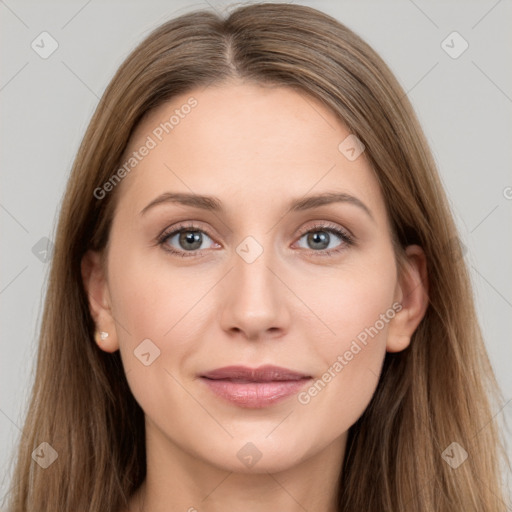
x=191 y=237
x=319 y=237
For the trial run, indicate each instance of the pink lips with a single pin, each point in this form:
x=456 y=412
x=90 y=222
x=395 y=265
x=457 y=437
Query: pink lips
x=254 y=387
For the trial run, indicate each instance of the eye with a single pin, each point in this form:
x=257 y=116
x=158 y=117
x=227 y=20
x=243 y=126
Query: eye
x=184 y=240
x=321 y=239
x=188 y=240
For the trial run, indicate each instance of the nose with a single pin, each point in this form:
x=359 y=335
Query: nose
x=254 y=302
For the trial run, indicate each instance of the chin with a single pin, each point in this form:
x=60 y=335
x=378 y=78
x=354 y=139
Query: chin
x=259 y=456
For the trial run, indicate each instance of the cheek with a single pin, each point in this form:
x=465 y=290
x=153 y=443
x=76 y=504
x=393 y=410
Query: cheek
x=348 y=301
x=355 y=306
x=154 y=308
x=151 y=299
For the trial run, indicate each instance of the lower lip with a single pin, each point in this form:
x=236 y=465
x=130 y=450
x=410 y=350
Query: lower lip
x=255 y=394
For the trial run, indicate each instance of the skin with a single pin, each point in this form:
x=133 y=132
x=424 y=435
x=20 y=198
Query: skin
x=255 y=148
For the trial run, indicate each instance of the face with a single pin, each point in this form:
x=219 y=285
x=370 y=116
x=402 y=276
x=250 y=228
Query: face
x=258 y=274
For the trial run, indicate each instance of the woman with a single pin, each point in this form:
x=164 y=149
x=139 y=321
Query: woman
x=257 y=299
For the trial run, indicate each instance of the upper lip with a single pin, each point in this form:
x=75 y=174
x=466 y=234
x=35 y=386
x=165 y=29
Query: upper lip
x=266 y=373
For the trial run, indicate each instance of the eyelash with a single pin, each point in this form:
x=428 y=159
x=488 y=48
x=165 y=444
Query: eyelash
x=348 y=239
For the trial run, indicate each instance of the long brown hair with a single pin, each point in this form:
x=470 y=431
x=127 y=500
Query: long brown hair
x=440 y=390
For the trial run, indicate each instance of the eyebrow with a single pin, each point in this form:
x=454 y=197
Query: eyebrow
x=214 y=204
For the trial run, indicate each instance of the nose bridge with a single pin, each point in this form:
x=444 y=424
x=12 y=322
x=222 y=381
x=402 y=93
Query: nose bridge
x=251 y=273
x=252 y=267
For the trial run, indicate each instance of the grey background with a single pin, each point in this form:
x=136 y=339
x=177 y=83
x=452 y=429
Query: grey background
x=464 y=105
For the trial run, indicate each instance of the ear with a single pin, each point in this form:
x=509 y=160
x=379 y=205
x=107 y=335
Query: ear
x=412 y=294
x=96 y=287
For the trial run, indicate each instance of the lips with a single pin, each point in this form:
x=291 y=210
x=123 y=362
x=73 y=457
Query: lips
x=254 y=387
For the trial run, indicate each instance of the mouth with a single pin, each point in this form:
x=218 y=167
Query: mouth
x=254 y=387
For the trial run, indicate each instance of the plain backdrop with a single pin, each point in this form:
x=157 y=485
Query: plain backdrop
x=463 y=100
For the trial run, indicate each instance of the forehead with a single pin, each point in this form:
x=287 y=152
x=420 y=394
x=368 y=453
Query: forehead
x=247 y=142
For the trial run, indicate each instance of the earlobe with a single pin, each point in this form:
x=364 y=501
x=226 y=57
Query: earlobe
x=96 y=288
x=412 y=293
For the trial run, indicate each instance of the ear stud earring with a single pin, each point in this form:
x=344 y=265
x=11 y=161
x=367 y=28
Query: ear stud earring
x=102 y=334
